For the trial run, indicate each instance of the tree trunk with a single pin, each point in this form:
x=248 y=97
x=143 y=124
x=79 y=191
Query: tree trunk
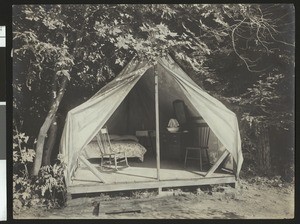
x=53 y=128
x=264 y=155
x=50 y=143
x=45 y=127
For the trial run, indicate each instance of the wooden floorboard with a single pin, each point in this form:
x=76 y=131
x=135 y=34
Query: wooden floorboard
x=140 y=172
x=143 y=176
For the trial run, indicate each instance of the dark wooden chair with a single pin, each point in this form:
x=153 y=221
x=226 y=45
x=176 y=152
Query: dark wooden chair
x=203 y=133
x=106 y=150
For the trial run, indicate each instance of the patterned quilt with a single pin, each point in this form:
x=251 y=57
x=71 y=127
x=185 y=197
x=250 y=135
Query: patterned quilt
x=132 y=149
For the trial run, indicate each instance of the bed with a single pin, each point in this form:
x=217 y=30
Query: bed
x=120 y=143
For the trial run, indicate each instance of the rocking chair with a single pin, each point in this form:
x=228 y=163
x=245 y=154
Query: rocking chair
x=106 y=150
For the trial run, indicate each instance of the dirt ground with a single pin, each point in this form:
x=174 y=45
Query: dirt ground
x=254 y=199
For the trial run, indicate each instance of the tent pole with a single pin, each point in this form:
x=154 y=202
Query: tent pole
x=157 y=124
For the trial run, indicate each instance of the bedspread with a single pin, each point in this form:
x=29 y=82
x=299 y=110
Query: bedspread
x=131 y=148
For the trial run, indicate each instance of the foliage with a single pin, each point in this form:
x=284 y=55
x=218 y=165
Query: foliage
x=47 y=190
x=91 y=43
x=262 y=95
x=50 y=185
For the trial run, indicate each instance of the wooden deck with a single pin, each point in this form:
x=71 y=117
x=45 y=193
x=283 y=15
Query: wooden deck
x=143 y=176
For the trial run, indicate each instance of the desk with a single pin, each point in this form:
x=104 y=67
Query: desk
x=172 y=145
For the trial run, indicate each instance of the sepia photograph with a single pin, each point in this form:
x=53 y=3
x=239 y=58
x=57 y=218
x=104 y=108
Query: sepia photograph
x=153 y=111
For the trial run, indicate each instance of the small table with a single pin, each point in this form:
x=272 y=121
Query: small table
x=172 y=145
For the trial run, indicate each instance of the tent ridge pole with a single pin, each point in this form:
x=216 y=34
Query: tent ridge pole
x=157 y=124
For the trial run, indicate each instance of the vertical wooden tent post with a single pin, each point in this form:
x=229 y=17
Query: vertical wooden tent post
x=157 y=124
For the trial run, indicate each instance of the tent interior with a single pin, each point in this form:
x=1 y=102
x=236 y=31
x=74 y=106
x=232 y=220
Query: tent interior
x=137 y=113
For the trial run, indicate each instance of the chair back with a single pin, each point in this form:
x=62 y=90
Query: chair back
x=104 y=142
x=203 y=133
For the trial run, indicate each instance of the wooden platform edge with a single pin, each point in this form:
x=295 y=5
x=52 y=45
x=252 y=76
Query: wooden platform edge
x=99 y=188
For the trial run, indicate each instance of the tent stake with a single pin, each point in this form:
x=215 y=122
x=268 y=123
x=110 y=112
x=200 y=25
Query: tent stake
x=157 y=124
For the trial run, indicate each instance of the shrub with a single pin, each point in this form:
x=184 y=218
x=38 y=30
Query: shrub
x=46 y=190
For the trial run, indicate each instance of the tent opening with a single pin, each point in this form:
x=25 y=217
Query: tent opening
x=128 y=105
x=135 y=118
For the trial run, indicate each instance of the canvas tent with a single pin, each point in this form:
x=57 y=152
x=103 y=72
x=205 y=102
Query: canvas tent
x=108 y=107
